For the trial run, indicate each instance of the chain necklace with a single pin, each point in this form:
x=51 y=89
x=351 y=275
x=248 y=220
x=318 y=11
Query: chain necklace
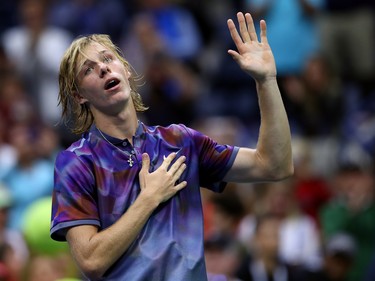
x=130 y=158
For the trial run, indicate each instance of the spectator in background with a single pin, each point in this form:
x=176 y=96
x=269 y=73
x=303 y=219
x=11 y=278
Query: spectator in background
x=227 y=214
x=172 y=89
x=15 y=105
x=15 y=108
x=314 y=99
x=347 y=31
x=31 y=178
x=223 y=256
x=311 y=186
x=339 y=255
x=264 y=263
x=352 y=210
x=171 y=28
x=163 y=43
x=300 y=244
x=82 y=17
x=14 y=252
x=294 y=37
x=296 y=40
x=35 y=48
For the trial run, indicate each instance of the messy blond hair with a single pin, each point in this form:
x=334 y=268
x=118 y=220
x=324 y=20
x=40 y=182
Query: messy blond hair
x=78 y=116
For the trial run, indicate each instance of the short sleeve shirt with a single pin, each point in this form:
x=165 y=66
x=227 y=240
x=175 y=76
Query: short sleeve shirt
x=95 y=185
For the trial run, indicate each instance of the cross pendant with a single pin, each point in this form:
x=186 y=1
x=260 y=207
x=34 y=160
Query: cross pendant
x=130 y=161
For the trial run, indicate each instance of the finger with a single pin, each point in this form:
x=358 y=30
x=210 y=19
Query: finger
x=168 y=160
x=234 y=34
x=235 y=55
x=250 y=27
x=180 y=186
x=243 y=29
x=145 y=163
x=179 y=172
x=177 y=164
x=263 y=32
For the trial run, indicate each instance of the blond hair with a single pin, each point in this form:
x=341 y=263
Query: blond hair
x=78 y=116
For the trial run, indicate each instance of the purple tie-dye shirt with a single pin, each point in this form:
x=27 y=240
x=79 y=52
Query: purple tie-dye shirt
x=95 y=185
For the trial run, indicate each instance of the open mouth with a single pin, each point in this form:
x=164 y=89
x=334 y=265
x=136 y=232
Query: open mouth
x=111 y=83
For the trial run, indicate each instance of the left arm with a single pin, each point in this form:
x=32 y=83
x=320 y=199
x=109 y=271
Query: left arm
x=272 y=158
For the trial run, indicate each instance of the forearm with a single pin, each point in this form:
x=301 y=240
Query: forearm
x=99 y=251
x=274 y=143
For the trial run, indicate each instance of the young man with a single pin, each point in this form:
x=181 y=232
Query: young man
x=126 y=195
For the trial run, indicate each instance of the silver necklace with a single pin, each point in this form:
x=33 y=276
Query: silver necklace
x=130 y=158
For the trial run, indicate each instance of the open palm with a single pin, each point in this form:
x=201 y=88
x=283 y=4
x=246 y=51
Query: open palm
x=253 y=56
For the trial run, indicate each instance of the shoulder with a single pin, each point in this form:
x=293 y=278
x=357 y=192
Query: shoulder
x=77 y=153
x=172 y=131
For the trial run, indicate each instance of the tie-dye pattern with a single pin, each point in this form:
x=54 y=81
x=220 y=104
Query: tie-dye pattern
x=95 y=185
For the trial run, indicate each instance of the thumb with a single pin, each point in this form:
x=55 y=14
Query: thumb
x=145 y=163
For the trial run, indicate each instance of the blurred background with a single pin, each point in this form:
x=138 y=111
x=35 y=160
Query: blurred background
x=317 y=225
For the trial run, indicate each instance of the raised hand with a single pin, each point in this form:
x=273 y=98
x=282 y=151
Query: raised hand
x=161 y=184
x=253 y=56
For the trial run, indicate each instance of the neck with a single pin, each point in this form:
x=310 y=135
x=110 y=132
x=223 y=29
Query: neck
x=122 y=126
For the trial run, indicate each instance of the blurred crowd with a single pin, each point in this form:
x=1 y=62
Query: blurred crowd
x=317 y=225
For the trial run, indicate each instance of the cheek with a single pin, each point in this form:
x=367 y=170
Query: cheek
x=89 y=83
x=89 y=87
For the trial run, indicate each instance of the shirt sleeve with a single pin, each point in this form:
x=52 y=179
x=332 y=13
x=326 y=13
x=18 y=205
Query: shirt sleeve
x=215 y=160
x=73 y=200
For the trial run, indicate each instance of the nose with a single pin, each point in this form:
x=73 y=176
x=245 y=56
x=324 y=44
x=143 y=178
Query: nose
x=103 y=69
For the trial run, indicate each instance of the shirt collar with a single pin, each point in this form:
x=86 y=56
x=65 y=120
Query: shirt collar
x=141 y=129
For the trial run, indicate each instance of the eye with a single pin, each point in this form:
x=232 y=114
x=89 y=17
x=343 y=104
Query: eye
x=88 y=70
x=107 y=59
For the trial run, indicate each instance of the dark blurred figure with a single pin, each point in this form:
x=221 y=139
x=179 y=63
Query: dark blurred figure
x=314 y=99
x=15 y=108
x=82 y=17
x=163 y=43
x=14 y=252
x=32 y=176
x=172 y=27
x=340 y=251
x=311 y=186
x=264 y=263
x=35 y=48
x=223 y=255
x=352 y=210
x=171 y=91
x=299 y=241
x=227 y=214
x=347 y=35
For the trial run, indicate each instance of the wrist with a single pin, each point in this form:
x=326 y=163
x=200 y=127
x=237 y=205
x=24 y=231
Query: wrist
x=266 y=79
x=269 y=82
x=149 y=200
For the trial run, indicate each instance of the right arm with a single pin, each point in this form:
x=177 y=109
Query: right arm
x=96 y=251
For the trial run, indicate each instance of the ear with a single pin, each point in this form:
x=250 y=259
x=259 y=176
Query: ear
x=79 y=98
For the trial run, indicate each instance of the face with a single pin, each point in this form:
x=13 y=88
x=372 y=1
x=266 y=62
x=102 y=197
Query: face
x=102 y=80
